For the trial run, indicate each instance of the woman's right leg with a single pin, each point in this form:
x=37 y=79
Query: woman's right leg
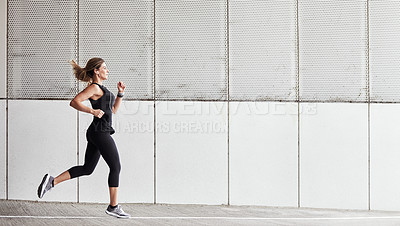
x=62 y=177
x=92 y=157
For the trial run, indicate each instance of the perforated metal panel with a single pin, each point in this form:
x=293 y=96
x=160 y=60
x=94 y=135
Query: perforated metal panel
x=384 y=50
x=191 y=51
x=333 y=50
x=120 y=32
x=41 y=39
x=262 y=50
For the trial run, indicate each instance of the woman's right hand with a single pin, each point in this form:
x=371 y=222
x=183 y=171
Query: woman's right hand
x=98 y=113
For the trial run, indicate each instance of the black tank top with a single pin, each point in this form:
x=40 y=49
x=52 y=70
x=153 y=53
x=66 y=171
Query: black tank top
x=105 y=103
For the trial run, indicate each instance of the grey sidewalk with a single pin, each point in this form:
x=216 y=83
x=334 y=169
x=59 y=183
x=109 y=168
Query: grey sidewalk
x=46 y=213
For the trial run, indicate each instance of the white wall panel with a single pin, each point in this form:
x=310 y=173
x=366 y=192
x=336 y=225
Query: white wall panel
x=384 y=50
x=262 y=50
x=135 y=142
x=334 y=156
x=333 y=50
x=385 y=155
x=263 y=153
x=191 y=153
x=122 y=33
x=42 y=139
x=3 y=149
x=191 y=51
x=3 y=48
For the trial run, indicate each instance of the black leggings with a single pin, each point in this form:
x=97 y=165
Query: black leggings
x=99 y=143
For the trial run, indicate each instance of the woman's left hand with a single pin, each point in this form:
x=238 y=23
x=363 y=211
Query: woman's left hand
x=121 y=87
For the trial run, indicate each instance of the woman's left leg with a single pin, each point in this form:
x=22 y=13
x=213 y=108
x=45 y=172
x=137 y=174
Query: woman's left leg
x=113 y=196
x=108 y=150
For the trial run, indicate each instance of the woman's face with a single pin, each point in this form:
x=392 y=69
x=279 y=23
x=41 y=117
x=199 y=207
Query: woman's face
x=103 y=71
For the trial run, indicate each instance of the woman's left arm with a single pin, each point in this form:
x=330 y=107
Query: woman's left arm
x=121 y=88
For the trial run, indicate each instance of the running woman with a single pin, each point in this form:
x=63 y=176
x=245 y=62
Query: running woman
x=98 y=135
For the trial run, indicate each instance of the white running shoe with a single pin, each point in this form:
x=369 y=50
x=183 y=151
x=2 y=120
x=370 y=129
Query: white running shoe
x=45 y=186
x=117 y=212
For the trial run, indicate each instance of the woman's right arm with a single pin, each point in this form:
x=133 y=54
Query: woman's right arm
x=87 y=93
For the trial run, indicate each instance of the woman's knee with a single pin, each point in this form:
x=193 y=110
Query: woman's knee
x=87 y=170
x=117 y=167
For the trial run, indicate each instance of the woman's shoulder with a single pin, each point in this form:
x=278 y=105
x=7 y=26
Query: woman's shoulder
x=94 y=88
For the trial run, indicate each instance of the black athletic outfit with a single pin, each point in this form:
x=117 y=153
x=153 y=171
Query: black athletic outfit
x=100 y=141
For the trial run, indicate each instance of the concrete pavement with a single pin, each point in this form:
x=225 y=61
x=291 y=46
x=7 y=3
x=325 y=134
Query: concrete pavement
x=50 y=213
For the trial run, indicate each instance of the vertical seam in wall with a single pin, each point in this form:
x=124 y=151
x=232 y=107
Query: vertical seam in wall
x=77 y=84
x=369 y=111
x=298 y=53
x=298 y=154
x=7 y=149
x=154 y=105
x=298 y=101
x=77 y=156
x=154 y=153
x=368 y=77
x=369 y=156
x=228 y=97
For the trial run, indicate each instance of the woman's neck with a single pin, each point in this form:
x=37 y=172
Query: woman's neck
x=100 y=82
